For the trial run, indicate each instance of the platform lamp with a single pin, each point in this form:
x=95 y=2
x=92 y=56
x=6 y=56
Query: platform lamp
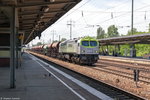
x=52 y=0
x=42 y=16
x=45 y=8
x=132 y=16
x=49 y=0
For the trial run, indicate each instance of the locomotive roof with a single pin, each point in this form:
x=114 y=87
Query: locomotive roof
x=88 y=38
x=81 y=38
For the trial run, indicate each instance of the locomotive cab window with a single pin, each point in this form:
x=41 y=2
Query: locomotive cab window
x=93 y=43
x=85 y=43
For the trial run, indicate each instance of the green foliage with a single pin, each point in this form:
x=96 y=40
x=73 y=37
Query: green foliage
x=134 y=31
x=100 y=33
x=55 y=41
x=125 y=48
x=63 y=39
x=109 y=48
x=142 y=49
x=112 y=31
x=149 y=28
x=39 y=43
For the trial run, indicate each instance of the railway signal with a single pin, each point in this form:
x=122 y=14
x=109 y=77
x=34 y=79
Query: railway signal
x=136 y=76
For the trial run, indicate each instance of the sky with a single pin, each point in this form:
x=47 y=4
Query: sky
x=88 y=15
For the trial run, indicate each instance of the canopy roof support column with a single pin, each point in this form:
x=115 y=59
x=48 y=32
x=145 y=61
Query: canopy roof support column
x=132 y=50
x=12 y=47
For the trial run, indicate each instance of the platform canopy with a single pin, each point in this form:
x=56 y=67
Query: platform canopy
x=134 y=39
x=34 y=16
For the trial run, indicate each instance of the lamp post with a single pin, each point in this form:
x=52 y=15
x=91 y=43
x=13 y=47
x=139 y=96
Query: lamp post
x=70 y=23
x=132 y=17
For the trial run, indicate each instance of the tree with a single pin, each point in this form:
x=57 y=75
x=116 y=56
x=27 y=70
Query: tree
x=63 y=39
x=112 y=31
x=55 y=41
x=149 y=28
x=39 y=43
x=134 y=31
x=100 y=33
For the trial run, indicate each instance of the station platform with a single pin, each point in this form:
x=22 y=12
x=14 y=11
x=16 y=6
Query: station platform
x=33 y=82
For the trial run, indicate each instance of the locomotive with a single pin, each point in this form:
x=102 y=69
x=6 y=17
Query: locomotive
x=81 y=51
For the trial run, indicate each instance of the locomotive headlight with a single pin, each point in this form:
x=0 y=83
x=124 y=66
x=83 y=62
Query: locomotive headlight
x=83 y=50
x=96 y=51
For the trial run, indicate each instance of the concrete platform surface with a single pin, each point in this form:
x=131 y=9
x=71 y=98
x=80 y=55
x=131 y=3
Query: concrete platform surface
x=32 y=84
x=37 y=80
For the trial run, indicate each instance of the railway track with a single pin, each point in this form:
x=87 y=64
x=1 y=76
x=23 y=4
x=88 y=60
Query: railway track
x=124 y=74
x=122 y=69
x=127 y=65
x=114 y=92
x=125 y=70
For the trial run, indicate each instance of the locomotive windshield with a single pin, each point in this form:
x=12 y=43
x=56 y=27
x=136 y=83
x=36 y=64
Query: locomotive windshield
x=93 y=43
x=85 y=43
x=89 y=43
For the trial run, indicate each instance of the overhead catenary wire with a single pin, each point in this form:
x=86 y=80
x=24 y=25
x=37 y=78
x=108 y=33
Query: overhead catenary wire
x=119 y=12
x=122 y=3
x=122 y=14
x=74 y=11
x=86 y=22
x=115 y=16
x=103 y=12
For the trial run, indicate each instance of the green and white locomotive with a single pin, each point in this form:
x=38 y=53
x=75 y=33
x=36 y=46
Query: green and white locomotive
x=83 y=51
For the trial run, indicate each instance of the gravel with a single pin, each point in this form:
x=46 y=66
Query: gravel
x=115 y=80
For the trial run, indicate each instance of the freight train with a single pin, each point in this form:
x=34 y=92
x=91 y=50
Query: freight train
x=81 y=51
